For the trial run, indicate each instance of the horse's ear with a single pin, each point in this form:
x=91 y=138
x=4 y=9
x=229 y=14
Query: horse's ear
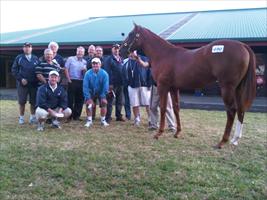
x=135 y=25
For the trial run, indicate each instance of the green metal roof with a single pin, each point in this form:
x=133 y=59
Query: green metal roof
x=243 y=24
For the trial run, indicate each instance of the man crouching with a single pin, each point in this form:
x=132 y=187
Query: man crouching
x=51 y=102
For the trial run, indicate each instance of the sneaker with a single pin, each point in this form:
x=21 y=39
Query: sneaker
x=33 y=120
x=21 y=120
x=152 y=128
x=56 y=124
x=104 y=123
x=136 y=122
x=40 y=127
x=172 y=129
x=88 y=123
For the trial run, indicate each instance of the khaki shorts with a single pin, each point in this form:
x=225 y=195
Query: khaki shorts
x=43 y=114
x=139 y=96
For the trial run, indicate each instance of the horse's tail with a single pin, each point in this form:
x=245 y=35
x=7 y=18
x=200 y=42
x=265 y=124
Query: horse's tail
x=247 y=86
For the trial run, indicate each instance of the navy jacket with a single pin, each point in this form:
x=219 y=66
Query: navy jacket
x=22 y=68
x=137 y=75
x=46 y=98
x=114 y=70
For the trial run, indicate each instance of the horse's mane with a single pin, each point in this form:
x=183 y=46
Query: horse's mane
x=163 y=42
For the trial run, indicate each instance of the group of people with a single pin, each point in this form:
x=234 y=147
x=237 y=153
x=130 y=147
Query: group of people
x=59 y=88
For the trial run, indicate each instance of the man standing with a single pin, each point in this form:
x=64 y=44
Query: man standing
x=58 y=59
x=43 y=69
x=95 y=86
x=75 y=70
x=90 y=56
x=139 y=78
x=113 y=66
x=23 y=69
x=51 y=102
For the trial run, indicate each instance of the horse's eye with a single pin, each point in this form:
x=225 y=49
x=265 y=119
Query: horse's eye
x=125 y=44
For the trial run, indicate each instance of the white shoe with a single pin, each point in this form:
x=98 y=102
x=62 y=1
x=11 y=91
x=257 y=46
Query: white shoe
x=88 y=123
x=136 y=122
x=21 y=120
x=56 y=124
x=104 y=123
x=33 y=120
x=40 y=127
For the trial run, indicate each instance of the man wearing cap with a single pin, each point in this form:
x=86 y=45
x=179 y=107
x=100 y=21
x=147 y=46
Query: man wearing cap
x=23 y=69
x=51 y=102
x=113 y=66
x=95 y=86
x=75 y=70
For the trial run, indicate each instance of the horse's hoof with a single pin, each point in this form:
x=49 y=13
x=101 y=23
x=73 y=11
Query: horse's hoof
x=218 y=146
x=177 y=135
x=156 y=137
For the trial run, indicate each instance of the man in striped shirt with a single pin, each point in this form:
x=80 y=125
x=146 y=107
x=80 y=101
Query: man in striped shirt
x=43 y=69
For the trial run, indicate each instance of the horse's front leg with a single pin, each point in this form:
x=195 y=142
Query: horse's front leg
x=163 y=94
x=176 y=109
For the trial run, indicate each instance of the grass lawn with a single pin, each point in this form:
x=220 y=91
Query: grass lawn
x=125 y=162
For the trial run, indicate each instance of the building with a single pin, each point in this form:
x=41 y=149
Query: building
x=187 y=29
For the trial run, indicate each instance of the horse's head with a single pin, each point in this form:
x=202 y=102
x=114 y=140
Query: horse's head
x=132 y=42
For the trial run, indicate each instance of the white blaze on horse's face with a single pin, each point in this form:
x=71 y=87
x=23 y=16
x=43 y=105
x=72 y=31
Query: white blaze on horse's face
x=238 y=133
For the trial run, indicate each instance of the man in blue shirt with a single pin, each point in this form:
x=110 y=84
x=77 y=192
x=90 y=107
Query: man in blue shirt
x=95 y=86
x=51 y=102
x=23 y=69
x=113 y=66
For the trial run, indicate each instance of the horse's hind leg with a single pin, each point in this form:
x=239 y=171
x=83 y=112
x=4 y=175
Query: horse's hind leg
x=239 y=123
x=228 y=95
x=176 y=109
x=163 y=93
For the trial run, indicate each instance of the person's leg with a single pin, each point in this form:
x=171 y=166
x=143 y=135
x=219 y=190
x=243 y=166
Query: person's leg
x=32 y=95
x=70 y=97
x=135 y=103
x=22 y=99
x=89 y=121
x=41 y=116
x=145 y=93
x=154 y=112
x=78 y=97
x=118 y=103
x=103 y=112
x=170 y=115
x=127 y=106
x=109 y=107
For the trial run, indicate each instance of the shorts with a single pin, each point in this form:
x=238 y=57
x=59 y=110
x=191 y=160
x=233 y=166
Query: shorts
x=24 y=91
x=139 y=96
x=43 y=114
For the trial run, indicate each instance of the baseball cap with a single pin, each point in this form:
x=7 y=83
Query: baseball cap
x=96 y=60
x=27 y=44
x=116 y=46
x=53 y=73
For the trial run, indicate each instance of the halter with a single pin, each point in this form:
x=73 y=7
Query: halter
x=137 y=35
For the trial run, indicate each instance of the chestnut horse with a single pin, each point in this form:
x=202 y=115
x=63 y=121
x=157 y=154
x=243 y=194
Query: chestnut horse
x=229 y=62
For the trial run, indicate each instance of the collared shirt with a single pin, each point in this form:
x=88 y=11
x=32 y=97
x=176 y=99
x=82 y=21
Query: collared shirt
x=75 y=67
x=53 y=89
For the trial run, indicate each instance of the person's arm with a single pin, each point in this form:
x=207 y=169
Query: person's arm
x=67 y=66
x=63 y=104
x=86 y=90
x=15 y=69
x=41 y=98
x=39 y=75
x=105 y=87
x=141 y=62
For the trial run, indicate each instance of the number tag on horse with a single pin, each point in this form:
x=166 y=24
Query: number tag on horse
x=217 y=49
